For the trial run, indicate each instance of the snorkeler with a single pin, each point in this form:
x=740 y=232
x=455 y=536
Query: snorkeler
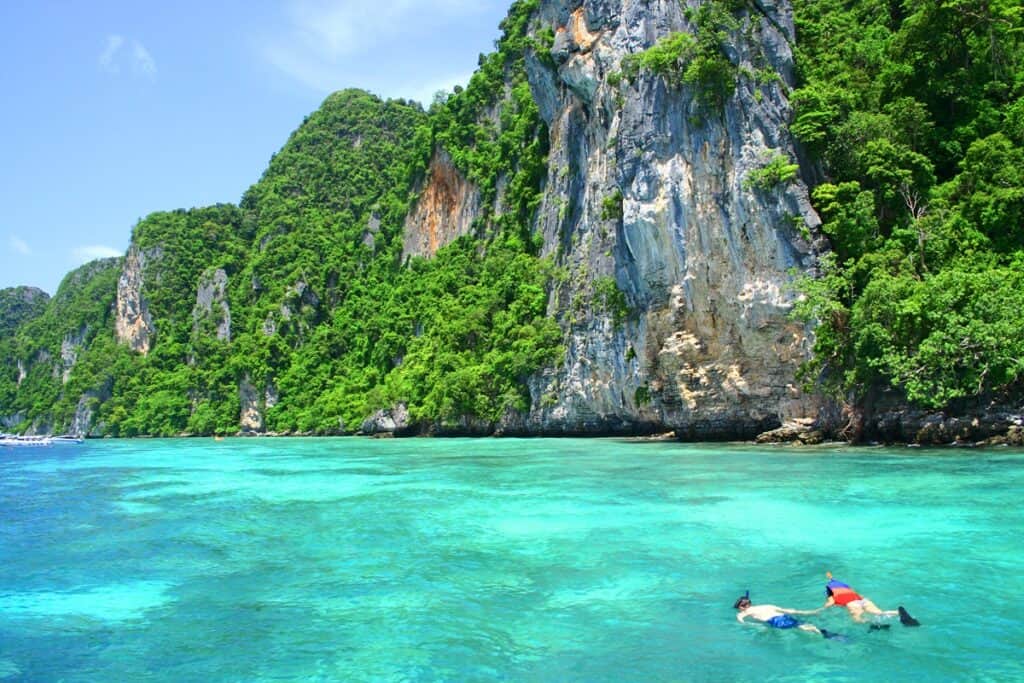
x=777 y=617
x=839 y=594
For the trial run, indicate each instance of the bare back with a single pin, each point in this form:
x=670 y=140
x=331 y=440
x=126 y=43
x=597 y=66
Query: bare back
x=760 y=612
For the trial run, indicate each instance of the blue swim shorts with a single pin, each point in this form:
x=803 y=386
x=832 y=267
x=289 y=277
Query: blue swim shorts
x=783 y=621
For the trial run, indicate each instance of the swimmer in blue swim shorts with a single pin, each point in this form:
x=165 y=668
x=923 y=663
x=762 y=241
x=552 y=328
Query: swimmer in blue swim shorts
x=783 y=621
x=776 y=617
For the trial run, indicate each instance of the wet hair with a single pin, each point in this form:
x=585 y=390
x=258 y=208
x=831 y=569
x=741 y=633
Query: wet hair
x=742 y=602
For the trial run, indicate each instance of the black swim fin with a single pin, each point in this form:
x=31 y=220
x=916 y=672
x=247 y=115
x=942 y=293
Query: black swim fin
x=832 y=635
x=879 y=627
x=906 y=619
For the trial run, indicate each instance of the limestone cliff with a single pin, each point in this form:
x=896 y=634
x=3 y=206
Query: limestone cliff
x=212 y=306
x=674 y=257
x=251 y=420
x=445 y=210
x=649 y=193
x=70 y=347
x=134 y=324
x=678 y=262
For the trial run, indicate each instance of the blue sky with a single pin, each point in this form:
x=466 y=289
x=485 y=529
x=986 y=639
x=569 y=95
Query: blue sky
x=113 y=109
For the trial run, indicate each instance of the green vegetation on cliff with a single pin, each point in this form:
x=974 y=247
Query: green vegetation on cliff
x=18 y=306
x=187 y=381
x=296 y=311
x=51 y=344
x=494 y=136
x=452 y=337
x=296 y=307
x=916 y=110
x=700 y=60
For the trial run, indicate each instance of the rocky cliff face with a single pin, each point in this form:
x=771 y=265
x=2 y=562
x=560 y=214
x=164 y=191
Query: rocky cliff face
x=251 y=420
x=134 y=324
x=649 y=190
x=69 y=350
x=674 y=259
x=212 y=304
x=445 y=210
x=679 y=263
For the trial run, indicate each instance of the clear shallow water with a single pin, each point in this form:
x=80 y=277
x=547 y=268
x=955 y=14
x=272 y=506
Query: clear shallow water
x=537 y=560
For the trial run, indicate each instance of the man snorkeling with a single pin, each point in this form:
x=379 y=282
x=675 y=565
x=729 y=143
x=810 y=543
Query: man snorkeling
x=839 y=594
x=777 y=617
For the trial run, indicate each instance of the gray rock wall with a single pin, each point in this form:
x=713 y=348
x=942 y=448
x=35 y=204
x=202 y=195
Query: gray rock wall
x=251 y=418
x=702 y=260
x=133 y=323
x=70 y=347
x=212 y=304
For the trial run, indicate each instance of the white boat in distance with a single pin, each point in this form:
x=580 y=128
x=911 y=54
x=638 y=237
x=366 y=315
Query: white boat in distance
x=17 y=440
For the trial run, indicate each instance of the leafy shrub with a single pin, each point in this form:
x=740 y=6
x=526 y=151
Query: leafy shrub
x=699 y=61
x=612 y=299
x=777 y=171
x=611 y=207
x=914 y=117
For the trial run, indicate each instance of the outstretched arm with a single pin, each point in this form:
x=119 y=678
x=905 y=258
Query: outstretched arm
x=739 y=617
x=829 y=602
x=800 y=611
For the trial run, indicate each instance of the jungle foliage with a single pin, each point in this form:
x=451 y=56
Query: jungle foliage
x=49 y=346
x=18 y=306
x=912 y=110
x=325 y=323
x=915 y=109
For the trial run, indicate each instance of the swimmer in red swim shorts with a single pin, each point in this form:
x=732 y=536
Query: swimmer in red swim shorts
x=839 y=594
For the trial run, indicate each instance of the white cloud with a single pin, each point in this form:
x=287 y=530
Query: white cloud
x=138 y=59
x=92 y=252
x=19 y=245
x=107 y=62
x=142 y=61
x=321 y=34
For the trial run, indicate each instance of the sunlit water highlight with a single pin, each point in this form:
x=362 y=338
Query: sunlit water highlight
x=522 y=560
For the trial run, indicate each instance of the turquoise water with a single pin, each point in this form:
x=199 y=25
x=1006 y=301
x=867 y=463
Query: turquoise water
x=479 y=560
